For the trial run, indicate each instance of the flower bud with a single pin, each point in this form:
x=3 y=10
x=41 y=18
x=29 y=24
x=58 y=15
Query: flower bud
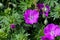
x=12 y=26
x=45 y=21
x=14 y=5
x=43 y=15
x=1 y=5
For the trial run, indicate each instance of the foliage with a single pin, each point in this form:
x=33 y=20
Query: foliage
x=12 y=12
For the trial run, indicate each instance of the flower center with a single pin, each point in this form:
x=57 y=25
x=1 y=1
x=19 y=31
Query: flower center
x=30 y=17
x=52 y=33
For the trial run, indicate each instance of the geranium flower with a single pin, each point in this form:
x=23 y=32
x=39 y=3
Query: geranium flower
x=57 y=32
x=31 y=16
x=47 y=37
x=52 y=30
x=12 y=26
x=45 y=9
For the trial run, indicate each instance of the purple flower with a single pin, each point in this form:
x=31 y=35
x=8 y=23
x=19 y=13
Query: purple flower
x=12 y=26
x=45 y=9
x=52 y=30
x=57 y=32
x=47 y=37
x=31 y=16
x=40 y=6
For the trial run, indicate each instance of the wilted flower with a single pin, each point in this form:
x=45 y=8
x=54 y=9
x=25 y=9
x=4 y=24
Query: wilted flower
x=12 y=26
x=31 y=16
x=45 y=9
x=40 y=6
x=52 y=29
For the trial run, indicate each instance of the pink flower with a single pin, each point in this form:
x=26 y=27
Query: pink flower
x=57 y=32
x=47 y=37
x=31 y=16
x=52 y=29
